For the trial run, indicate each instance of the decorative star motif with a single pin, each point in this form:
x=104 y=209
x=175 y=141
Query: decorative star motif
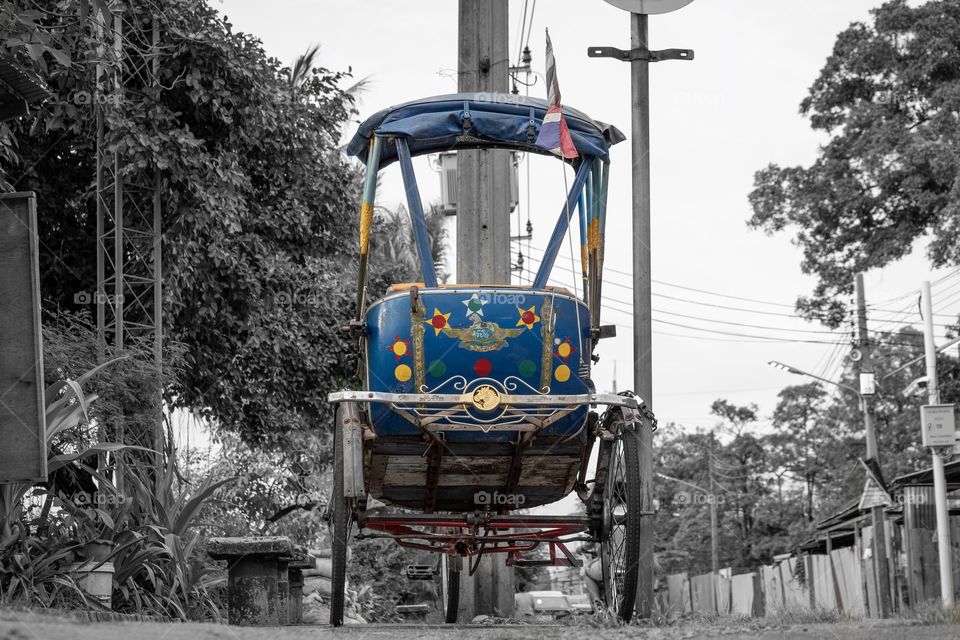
x=474 y=305
x=439 y=321
x=528 y=317
x=399 y=347
x=565 y=350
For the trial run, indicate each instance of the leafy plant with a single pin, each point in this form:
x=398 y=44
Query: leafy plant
x=159 y=564
x=33 y=570
x=66 y=407
x=33 y=567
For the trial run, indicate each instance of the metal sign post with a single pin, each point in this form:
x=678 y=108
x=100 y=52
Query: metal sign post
x=640 y=57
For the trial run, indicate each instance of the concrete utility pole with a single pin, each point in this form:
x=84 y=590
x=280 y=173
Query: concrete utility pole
x=877 y=520
x=483 y=234
x=939 y=480
x=714 y=521
x=483 y=175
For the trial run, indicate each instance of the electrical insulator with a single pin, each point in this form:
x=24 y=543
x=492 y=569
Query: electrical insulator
x=527 y=58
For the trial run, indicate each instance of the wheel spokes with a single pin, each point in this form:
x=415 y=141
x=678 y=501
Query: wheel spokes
x=615 y=499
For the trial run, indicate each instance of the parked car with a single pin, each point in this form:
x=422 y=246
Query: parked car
x=542 y=604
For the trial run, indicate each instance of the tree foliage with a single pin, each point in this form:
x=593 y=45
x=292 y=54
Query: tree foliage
x=771 y=486
x=889 y=174
x=259 y=204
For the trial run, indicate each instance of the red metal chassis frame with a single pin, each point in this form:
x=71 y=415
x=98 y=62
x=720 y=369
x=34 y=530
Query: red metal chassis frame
x=472 y=534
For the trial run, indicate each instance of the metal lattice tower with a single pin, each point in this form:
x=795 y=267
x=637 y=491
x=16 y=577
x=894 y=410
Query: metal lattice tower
x=128 y=223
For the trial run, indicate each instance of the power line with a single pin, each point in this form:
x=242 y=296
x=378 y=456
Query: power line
x=686 y=300
x=742 y=335
x=688 y=288
x=826 y=362
x=942 y=279
x=719 y=332
x=715 y=321
x=916 y=292
x=523 y=27
x=761 y=338
x=629 y=305
x=954 y=298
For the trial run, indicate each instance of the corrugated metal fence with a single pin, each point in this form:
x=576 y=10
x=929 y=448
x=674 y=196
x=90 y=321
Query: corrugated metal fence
x=820 y=581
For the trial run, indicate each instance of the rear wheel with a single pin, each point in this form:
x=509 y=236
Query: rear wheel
x=450 y=586
x=341 y=522
x=620 y=535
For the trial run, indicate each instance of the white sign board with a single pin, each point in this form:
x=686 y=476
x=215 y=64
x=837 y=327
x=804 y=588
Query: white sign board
x=873 y=496
x=868 y=384
x=938 y=425
x=649 y=6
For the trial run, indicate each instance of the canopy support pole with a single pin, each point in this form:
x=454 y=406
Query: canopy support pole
x=553 y=247
x=366 y=218
x=595 y=233
x=584 y=248
x=416 y=213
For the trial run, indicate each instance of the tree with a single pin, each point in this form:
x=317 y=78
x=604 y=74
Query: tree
x=259 y=204
x=800 y=437
x=887 y=97
x=730 y=475
x=392 y=241
x=682 y=528
x=735 y=419
x=737 y=474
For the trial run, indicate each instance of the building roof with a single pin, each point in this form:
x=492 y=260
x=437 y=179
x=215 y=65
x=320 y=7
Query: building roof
x=19 y=89
x=951 y=471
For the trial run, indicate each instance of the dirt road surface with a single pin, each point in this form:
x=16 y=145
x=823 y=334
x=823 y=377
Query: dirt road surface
x=31 y=626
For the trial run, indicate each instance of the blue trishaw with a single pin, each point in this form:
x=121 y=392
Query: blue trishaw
x=477 y=398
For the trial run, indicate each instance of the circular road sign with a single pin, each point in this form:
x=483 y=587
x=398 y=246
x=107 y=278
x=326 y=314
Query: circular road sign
x=649 y=6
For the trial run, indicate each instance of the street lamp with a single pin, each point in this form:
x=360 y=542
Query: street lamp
x=800 y=372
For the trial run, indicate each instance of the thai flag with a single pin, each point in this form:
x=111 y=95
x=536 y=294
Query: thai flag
x=554 y=134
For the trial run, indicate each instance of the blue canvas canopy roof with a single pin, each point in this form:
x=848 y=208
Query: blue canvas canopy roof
x=476 y=120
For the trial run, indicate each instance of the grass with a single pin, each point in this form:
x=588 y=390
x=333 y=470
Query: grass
x=931 y=612
x=795 y=616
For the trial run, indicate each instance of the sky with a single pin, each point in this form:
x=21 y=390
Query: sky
x=714 y=122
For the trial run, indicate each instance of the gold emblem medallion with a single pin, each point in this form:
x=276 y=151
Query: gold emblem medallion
x=486 y=398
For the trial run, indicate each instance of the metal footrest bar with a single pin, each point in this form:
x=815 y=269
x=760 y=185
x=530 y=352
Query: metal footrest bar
x=481 y=533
